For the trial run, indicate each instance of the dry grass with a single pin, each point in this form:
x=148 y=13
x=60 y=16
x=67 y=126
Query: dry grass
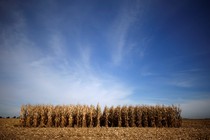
x=190 y=130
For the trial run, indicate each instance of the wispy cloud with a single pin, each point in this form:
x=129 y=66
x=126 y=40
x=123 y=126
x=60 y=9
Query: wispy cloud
x=187 y=78
x=120 y=31
x=182 y=82
x=53 y=76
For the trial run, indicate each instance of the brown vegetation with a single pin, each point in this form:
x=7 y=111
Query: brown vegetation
x=91 y=116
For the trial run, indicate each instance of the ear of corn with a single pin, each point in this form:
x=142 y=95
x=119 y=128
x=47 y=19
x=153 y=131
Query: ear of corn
x=90 y=116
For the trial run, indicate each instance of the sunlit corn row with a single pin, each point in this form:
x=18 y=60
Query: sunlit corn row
x=91 y=116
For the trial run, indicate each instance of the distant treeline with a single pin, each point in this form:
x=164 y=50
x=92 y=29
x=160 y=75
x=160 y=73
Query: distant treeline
x=91 y=116
x=8 y=117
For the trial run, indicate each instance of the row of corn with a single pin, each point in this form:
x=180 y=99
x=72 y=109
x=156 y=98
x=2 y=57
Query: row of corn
x=91 y=116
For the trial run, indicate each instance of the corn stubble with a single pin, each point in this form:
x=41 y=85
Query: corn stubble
x=91 y=116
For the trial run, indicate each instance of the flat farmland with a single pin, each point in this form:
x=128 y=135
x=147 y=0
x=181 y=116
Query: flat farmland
x=190 y=130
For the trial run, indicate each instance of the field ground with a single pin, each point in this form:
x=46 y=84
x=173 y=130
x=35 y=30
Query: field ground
x=190 y=130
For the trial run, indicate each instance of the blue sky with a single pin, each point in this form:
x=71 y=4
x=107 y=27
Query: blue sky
x=112 y=52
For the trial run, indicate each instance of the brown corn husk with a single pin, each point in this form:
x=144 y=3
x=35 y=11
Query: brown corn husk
x=131 y=116
x=90 y=116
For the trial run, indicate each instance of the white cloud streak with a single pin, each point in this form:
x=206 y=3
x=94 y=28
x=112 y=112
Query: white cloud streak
x=186 y=79
x=53 y=77
x=119 y=33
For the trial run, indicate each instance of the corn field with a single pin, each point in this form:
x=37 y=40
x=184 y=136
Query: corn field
x=91 y=116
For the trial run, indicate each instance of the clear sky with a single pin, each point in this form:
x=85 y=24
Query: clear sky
x=112 y=52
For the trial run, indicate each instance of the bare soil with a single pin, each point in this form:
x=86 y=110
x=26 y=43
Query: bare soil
x=190 y=130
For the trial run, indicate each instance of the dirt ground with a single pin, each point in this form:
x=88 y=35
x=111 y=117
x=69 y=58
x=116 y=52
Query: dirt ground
x=191 y=130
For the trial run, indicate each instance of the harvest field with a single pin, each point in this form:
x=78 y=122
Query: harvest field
x=190 y=130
